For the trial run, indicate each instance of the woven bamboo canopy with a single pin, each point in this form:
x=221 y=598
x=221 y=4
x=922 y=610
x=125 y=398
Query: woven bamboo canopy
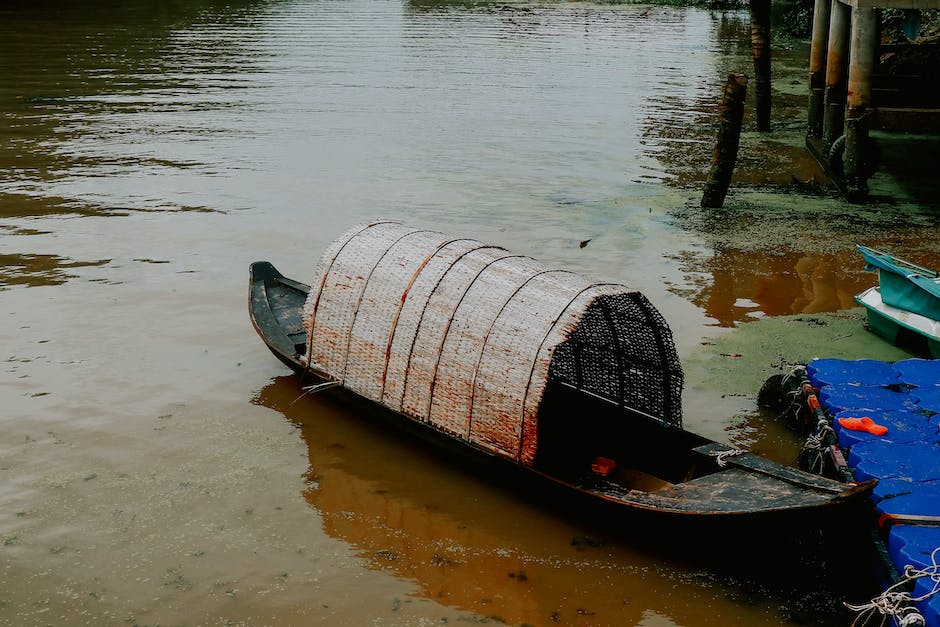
x=467 y=336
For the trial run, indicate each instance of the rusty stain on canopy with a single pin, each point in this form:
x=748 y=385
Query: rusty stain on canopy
x=467 y=336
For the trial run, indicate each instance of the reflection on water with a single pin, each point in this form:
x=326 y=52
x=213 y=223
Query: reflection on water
x=146 y=99
x=34 y=270
x=742 y=285
x=151 y=150
x=472 y=545
x=747 y=286
x=103 y=94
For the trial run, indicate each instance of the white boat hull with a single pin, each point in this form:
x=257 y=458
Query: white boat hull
x=887 y=321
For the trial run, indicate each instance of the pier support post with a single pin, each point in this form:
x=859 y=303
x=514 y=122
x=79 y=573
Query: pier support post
x=857 y=161
x=836 y=60
x=817 y=67
x=729 y=136
x=760 y=48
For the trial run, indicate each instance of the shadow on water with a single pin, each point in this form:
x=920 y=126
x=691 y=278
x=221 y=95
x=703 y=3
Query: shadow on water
x=505 y=548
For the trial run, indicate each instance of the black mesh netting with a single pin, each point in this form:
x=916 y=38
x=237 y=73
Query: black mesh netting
x=622 y=350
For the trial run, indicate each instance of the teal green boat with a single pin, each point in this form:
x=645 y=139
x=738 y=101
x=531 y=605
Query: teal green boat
x=905 y=285
x=905 y=307
x=900 y=327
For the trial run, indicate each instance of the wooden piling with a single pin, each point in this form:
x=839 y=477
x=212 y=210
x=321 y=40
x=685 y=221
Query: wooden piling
x=817 y=67
x=864 y=44
x=760 y=49
x=729 y=134
x=836 y=59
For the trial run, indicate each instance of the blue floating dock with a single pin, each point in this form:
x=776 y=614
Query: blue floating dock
x=928 y=398
x=904 y=426
x=903 y=497
x=861 y=372
x=915 y=545
x=917 y=461
x=905 y=398
x=839 y=398
x=919 y=372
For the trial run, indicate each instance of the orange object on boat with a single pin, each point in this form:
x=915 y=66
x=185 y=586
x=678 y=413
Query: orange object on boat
x=863 y=424
x=602 y=466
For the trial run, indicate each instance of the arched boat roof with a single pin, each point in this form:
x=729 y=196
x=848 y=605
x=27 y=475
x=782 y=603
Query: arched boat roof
x=467 y=336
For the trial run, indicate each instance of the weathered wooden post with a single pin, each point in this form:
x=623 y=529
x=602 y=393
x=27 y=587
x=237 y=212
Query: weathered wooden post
x=729 y=135
x=817 y=67
x=836 y=58
x=864 y=47
x=760 y=49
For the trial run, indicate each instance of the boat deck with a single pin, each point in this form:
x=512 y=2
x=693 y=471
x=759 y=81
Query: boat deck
x=904 y=397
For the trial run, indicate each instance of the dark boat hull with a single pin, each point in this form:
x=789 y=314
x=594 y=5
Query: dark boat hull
x=752 y=491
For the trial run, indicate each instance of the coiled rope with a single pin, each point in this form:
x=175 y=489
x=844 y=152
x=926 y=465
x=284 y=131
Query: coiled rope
x=898 y=604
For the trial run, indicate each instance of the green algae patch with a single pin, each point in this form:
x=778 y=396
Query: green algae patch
x=739 y=361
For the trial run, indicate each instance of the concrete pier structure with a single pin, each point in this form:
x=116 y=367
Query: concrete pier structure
x=844 y=103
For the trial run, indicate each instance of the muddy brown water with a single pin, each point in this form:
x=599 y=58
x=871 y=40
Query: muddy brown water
x=154 y=467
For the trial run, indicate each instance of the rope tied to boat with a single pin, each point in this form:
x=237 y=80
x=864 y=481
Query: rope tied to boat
x=316 y=387
x=815 y=448
x=721 y=457
x=795 y=395
x=894 y=604
x=898 y=604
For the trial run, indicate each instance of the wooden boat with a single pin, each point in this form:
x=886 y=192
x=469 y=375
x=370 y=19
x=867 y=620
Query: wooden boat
x=535 y=370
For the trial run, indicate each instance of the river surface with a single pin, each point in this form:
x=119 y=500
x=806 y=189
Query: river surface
x=157 y=465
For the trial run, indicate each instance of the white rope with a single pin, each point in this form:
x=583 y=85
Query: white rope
x=814 y=444
x=897 y=604
x=721 y=457
x=316 y=387
x=796 y=395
